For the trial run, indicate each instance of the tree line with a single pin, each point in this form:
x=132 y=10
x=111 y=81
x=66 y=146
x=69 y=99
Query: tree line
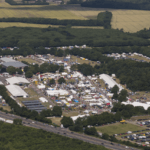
x=118 y=4
x=12 y=2
x=127 y=111
x=103 y=19
x=21 y=137
x=24 y=112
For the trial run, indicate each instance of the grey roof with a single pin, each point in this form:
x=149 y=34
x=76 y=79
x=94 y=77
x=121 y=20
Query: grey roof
x=6 y=59
x=16 y=64
x=34 y=105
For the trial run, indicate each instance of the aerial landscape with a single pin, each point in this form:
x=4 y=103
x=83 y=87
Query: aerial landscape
x=74 y=74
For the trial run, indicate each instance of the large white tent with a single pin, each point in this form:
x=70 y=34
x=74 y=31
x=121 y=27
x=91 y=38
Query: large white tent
x=144 y=105
x=57 y=92
x=17 y=80
x=109 y=81
x=16 y=91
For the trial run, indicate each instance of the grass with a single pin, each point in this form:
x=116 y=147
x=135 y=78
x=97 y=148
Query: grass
x=129 y=20
x=49 y=11
x=79 y=60
x=70 y=113
x=32 y=95
x=139 y=58
x=5 y=107
x=29 y=60
x=56 y=120
x=118 y=128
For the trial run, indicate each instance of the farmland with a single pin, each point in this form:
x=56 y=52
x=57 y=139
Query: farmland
x=129 y=20
x=50 y=11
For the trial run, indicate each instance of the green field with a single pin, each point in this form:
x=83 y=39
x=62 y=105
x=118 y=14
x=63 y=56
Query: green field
x=129 y=20
x=49 y=11
x=118 y=128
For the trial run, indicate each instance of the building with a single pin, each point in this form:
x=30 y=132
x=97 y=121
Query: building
x=6 y=62
x=16 y=64
x=109 y=81
x=16 y=91
x=17 y=80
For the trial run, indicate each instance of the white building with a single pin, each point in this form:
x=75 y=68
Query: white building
x=109 y=81
x=17 y=80
x=16 y=91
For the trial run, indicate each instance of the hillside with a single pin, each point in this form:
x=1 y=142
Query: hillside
x=13 y=137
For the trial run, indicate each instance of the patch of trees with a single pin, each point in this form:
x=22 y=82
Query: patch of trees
x=127 y=111
x=25 y=138
x=134 y=74
x=106 y=18
x=32 y=40
x=120 y=96
x=45 y=67
x=12 y=2
x=24 y=112
x=118 y=4
x=93 y=120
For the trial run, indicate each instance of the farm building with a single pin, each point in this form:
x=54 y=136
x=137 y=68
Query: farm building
x=17 y=80
x=16 y=91
x=109 y=81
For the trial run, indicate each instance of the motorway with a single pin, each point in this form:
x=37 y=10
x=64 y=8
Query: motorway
x=65 y=132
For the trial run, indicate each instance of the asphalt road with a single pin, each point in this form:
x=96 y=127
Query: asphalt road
x=65 y=132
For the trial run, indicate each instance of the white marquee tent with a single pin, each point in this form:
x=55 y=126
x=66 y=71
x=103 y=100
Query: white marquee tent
x=16 y=91
x=108 y=80
x=17 y=80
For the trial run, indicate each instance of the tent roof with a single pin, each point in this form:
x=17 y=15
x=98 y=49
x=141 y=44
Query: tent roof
x=16 y=90
x=108 y=80
x=17 y=80
x=6 y=59
x=15 y=64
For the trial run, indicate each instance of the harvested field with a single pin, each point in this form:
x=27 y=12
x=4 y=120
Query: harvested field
x=49 y=11
x=129 y=20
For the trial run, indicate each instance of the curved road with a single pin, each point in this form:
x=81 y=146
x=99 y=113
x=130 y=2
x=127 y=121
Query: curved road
x=65 y=132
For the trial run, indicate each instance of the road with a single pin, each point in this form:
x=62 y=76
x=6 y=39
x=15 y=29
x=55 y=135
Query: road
x=64 y=132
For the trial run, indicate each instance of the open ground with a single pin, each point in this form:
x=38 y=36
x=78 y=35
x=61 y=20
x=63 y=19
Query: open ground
x=118 y=128
x=129 y=20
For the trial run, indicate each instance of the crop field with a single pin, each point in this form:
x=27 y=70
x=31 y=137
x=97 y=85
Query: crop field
x=129 y=20
x=48 y=11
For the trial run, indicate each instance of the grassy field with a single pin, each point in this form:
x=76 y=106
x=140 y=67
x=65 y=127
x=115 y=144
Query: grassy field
x=49 y=11
x=129 y=20
x=79 y=60
x=118 y=128
x=32 y=95
x=29 y=60
x=139 y=58
x=56 y=120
